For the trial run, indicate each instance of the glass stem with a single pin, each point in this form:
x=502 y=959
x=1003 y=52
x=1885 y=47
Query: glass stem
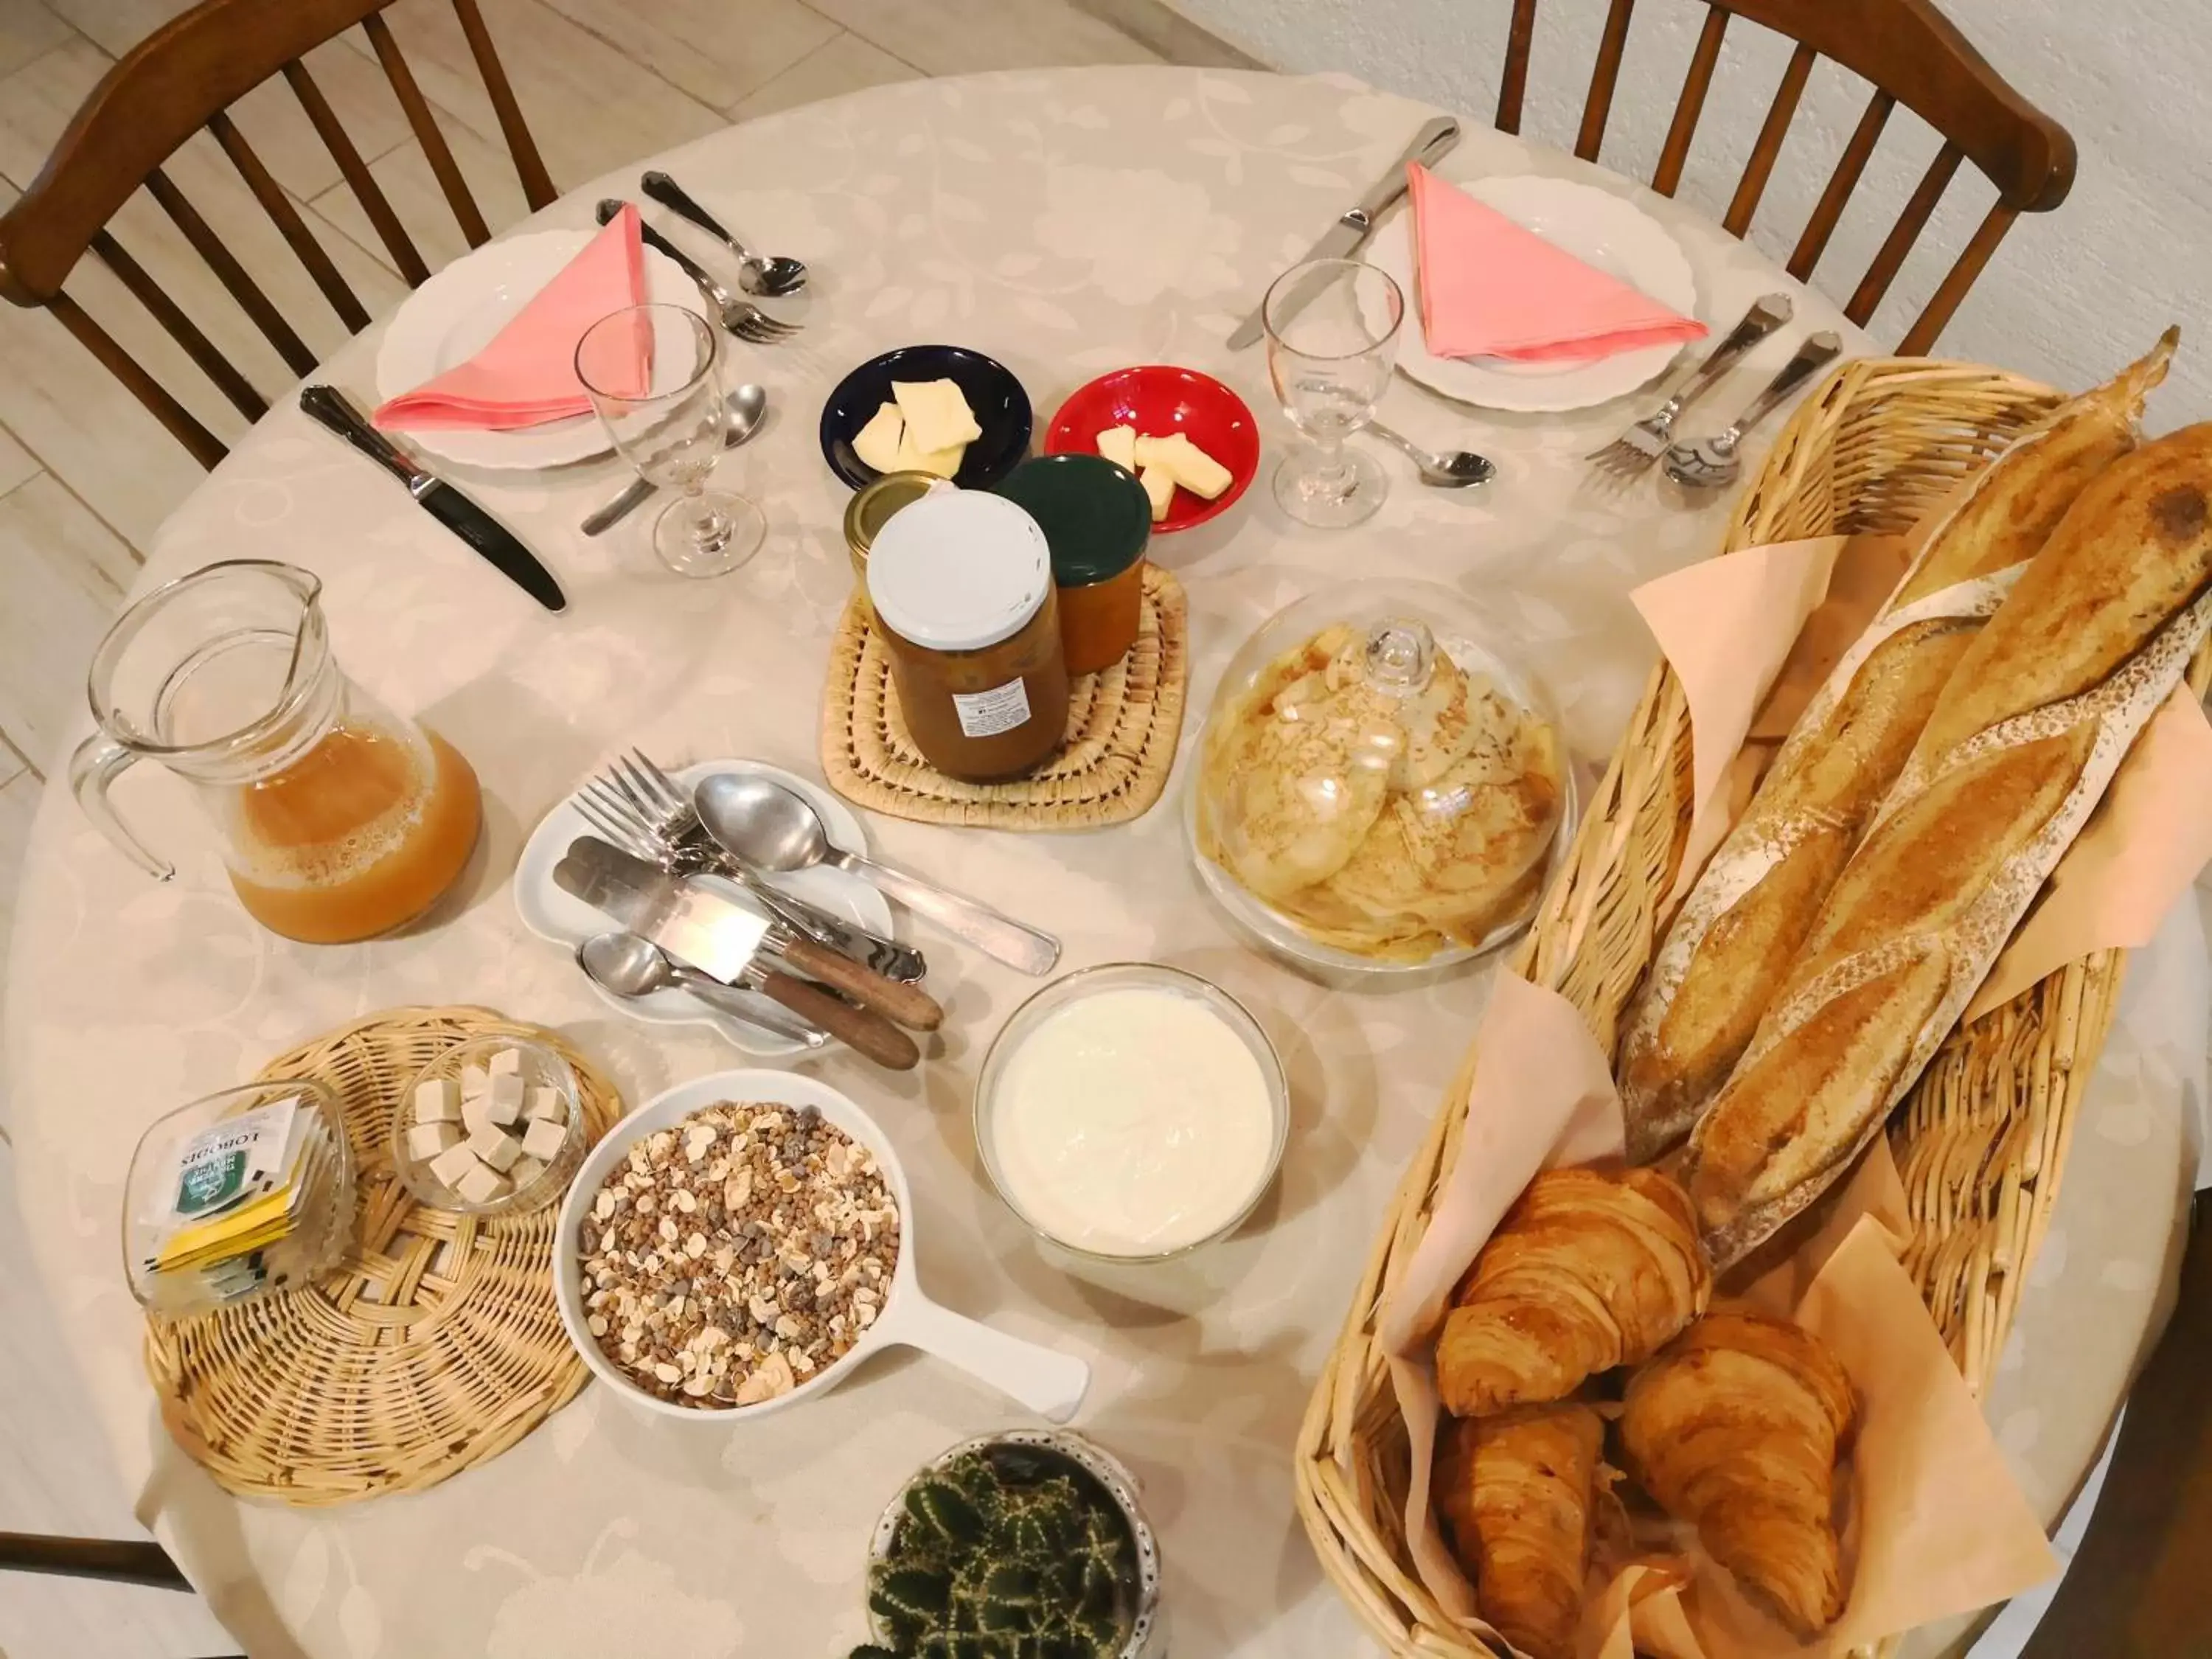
x=1333 y=475
x=710 y=526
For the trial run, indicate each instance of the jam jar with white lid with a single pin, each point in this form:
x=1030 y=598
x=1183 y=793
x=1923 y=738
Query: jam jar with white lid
x=961 y=587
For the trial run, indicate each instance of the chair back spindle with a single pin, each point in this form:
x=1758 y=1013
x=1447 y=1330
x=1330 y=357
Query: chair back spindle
x=1908 y=53
x=182 y=79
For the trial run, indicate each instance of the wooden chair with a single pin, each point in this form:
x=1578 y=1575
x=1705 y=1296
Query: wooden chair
x=184 y=77
x=116 y=1561
x=1912 y=55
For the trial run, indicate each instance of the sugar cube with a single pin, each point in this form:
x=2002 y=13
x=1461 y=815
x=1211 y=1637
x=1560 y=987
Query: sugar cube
x=546 y=1104
x=506 y=1096
x=496 y=1147
x=474 y=1081
x=455 y=1161
x=476 y=1112
x=426 y=1140
x=481 y=1186
x=435 y=1101
x=525 y=1172
x=544 y=1138
x=507 y=1060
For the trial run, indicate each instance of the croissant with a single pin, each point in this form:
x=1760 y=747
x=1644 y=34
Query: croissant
x=1586 y=1271
x=1516 y=1492
x=1736 y=1429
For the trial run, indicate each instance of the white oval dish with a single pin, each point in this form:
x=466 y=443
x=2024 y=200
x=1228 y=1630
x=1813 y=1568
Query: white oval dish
x=1047 y=1382
x=453 y=316
x=566 y=920
x=1599 y=228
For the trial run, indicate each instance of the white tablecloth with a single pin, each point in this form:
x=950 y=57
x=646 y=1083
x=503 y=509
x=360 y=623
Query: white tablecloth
x=1066 y=222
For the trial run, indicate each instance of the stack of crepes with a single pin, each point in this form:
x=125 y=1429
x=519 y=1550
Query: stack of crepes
x=1490 y=287
x=1389 y=824
x=525 y=375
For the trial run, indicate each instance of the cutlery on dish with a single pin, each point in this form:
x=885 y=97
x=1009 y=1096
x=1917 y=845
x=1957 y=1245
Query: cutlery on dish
x=632 y=967
x=757 y=273
x=1453 y=469
x=760 y=822
x=748 y=408
x=723 y=940
x=1636 y=449
x=1709 y=462
x=642 y=810
x=1431 y=145
x=494 y=542
x=741 y=317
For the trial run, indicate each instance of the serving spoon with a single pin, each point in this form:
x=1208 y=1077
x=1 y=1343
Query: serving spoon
x=759 y=822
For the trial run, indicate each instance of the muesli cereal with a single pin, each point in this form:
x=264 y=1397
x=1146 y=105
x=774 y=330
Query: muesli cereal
x=738 y=1253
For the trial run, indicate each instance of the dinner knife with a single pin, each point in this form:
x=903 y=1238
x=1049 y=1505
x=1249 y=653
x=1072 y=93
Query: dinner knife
x=327 y=406
x=1340 y=240
x=723 y=939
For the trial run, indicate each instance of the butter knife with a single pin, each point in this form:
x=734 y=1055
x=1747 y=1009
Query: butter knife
x=1341 y=239
x=328 y=407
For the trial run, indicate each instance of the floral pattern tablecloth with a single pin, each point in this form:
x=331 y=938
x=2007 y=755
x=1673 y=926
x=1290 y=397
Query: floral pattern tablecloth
x=1067 y=223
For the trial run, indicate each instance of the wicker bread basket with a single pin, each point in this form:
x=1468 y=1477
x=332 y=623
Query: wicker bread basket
x=1982 y=1140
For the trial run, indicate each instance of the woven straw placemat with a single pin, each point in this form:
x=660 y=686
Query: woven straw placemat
x=436 y=1345
x=1122 y=728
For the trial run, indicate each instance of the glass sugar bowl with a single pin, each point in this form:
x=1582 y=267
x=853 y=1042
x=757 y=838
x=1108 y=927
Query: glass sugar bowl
x=1381 y=788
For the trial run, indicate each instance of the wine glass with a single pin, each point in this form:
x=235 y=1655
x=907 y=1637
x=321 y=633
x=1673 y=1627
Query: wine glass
x=651 y=372
x=1331 y=340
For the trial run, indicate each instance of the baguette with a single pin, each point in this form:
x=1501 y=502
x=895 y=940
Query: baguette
x=1742 y=925
x=2039 y=713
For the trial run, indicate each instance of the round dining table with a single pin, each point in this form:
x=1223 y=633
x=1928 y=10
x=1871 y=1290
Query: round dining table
x=1066 y=222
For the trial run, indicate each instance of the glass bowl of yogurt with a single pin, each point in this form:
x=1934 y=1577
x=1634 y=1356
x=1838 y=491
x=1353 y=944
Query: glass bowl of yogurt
x=1131 y=1112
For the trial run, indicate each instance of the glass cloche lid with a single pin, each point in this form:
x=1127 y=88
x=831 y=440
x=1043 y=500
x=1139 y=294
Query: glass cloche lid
x=1379 y=786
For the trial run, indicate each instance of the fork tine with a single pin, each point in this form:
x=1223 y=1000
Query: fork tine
x=640 y=788
x=664 y=787
x=619 y=775
x=597 y=816
x=621 y=808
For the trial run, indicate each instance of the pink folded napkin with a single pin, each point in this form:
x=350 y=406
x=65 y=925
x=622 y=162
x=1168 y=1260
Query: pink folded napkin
x=1491 y=288
x=527 y=375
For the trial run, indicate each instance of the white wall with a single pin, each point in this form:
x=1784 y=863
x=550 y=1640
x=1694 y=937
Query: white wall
x=2069 y=296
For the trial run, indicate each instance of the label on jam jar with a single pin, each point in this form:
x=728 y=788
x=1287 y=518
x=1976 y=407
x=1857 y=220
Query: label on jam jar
x=987 y=714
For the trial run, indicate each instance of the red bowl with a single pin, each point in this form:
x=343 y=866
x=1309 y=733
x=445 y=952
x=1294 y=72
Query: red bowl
x=1159 y=399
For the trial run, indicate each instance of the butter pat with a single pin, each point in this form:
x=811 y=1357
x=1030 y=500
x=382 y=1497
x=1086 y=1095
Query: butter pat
x=1118 y=444
x=943 y=463
x=494 y=1146
x=426 y=1140
x=546 y=1104
x=877 y=443
x=1160 y=483
x=937 y=416
x=544 y=1140
x=436 y=1101
x=1148 y=452
x=1194 y=469
x=452 y=1164
x=481 y=1186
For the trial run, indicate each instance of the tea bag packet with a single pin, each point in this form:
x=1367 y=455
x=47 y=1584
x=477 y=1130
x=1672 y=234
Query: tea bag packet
x=237 y=1189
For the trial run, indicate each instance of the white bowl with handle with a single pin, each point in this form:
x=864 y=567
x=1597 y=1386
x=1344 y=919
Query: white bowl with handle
x=1049 y=1383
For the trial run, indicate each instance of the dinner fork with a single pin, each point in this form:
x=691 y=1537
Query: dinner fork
x=741 y=317
x=1636 y=449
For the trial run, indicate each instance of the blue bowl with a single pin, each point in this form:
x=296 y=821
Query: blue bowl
x=1001 y=407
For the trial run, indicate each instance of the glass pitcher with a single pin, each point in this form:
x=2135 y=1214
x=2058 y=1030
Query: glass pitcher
x=340 y=820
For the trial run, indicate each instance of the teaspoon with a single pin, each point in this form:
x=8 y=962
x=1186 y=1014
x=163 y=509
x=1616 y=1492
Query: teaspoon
x=630 y=966
x=1454 y=470
x=748 y=408
x=760 y=822
x=757 y=273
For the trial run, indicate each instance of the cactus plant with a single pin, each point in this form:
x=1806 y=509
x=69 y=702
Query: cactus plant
x=1003 y=1554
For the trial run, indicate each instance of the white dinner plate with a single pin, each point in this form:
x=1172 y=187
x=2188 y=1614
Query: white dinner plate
x=1598 y=228
x=453 y=316
x=561 y=917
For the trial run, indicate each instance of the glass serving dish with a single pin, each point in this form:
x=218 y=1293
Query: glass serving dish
x=1119 y=1141
x=541 y=1067
x=1382 y=790
x=221 y=1182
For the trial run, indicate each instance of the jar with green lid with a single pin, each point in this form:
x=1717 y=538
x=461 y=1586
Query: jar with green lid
x=870 y=509
x=1097 y=521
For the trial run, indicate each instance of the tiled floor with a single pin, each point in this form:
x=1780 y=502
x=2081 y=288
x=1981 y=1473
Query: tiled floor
x=86 y=476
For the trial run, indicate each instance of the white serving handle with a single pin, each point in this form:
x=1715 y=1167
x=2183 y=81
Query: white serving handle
x=1050 y=1384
